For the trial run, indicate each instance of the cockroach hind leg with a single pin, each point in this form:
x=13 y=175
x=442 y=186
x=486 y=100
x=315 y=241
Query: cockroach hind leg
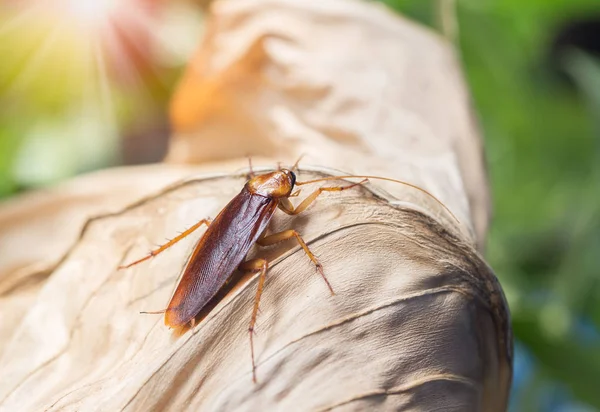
x=251 y=333
x=167 y=245
x=262 y=266
x=319 y=268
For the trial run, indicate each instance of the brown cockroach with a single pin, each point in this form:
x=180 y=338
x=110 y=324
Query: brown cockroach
x=229 y=237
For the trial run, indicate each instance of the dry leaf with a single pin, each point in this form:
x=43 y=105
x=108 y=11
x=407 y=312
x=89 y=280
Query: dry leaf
x=350 y=84
x=413 y=307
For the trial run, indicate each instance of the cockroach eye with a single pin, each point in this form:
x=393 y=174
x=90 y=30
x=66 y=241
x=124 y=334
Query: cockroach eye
x=293 y=178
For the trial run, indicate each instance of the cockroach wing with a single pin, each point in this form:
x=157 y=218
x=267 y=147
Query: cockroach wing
x=218 y=253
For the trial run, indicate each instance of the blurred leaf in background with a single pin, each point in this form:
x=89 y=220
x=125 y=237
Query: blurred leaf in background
x=82 y=81
x=534 y=72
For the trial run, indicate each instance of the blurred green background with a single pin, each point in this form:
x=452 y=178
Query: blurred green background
x=79 y=91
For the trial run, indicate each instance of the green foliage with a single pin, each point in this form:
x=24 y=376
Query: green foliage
x=68 y=93
x=543 y=150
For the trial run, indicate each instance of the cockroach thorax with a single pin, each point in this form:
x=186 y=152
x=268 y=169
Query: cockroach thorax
x=274 y=184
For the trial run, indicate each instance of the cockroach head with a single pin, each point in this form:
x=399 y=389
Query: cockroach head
x=274 y=184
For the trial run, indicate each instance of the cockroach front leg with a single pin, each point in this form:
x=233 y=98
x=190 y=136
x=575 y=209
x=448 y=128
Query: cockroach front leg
x=288 y=207
x=288 y=234
x=168 y=244
x=255 y=265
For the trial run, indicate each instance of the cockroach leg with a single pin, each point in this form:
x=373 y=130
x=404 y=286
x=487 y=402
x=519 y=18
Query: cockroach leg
x=288 y=234
x=168 y=244
x=296 y=193
x=255 y=265
x=287 y=207
x=387 y=179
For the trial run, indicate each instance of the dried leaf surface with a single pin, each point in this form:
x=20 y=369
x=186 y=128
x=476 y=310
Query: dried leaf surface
x=37 y=229
x=416 y=313
x=350 y=84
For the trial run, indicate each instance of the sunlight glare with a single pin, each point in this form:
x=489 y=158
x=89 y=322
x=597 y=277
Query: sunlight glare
x=92 y=11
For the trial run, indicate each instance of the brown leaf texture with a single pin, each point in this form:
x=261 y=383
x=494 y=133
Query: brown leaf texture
x=348 y=83
x=418 y=322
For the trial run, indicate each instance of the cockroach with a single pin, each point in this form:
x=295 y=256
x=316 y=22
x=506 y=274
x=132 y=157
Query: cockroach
x=229 y=237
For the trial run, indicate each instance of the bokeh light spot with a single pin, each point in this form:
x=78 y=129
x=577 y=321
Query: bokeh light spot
x=91 y=11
